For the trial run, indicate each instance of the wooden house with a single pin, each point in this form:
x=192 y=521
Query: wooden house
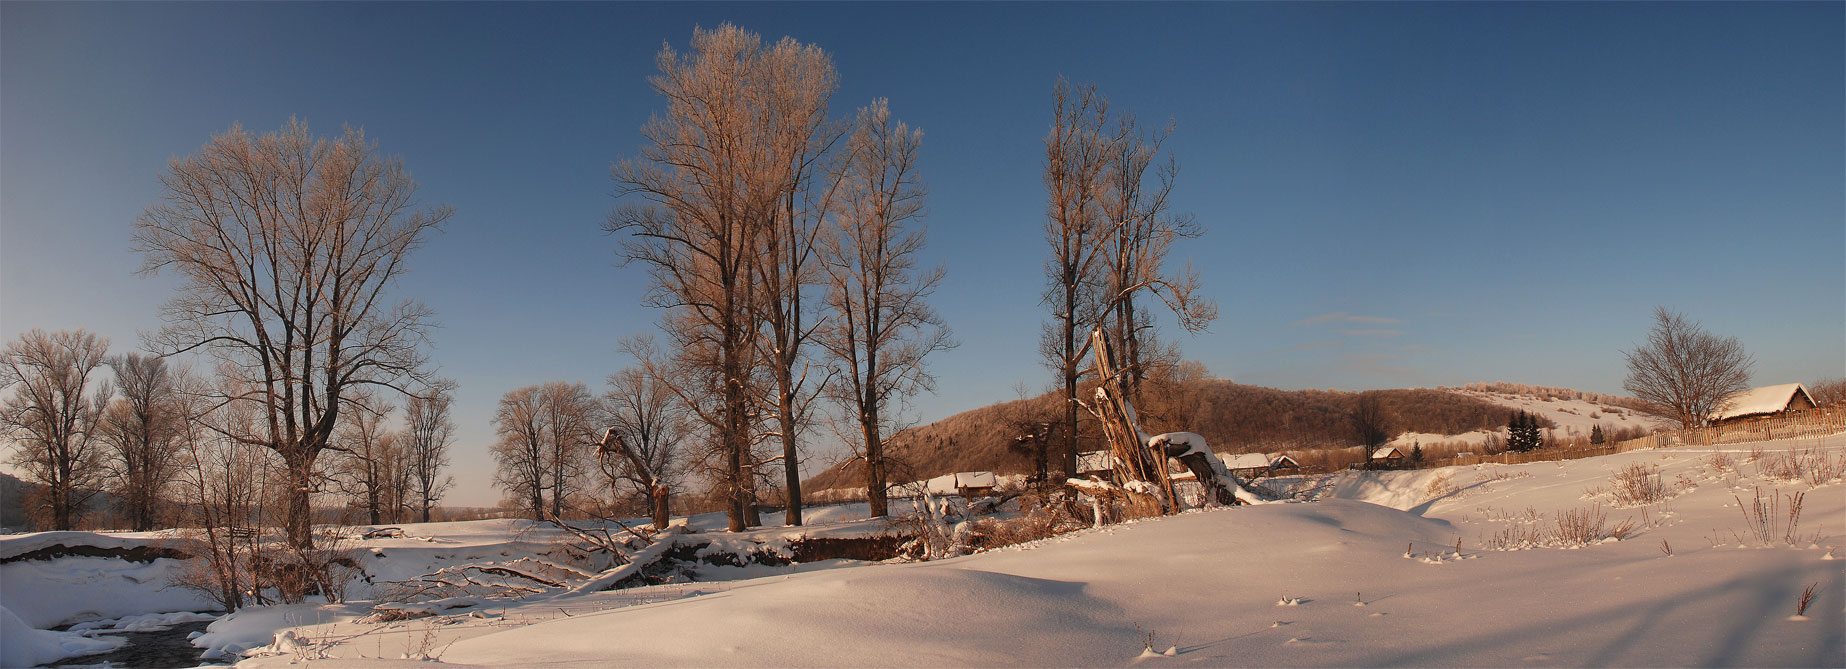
x=1386 y=458
x=1764 y=402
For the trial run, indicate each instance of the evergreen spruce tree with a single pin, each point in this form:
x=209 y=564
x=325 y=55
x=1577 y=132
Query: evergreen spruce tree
x=1596 y=436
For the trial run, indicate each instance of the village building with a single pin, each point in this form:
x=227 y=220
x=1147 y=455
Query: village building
x=1387 y=458
x=1764 y=402
x=965 y=484
x=1247 y=466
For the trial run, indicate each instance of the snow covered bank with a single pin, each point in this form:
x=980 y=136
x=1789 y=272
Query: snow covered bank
x=52 y=578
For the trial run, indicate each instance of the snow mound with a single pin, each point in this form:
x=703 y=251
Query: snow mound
x=807 y=619
x=23 y=646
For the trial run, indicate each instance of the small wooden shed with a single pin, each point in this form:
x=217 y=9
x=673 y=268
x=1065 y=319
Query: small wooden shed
x=1764 y=402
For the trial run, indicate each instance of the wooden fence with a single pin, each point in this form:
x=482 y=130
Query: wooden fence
x=1804 y=424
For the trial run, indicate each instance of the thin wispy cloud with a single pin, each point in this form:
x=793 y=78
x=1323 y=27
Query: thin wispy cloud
x=1311 y=345
x=1372 y=333
x=1343 y=317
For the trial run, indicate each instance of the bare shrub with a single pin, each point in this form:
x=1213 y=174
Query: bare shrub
x=1807 y=597
x=1575 y=527
x=1720 y=462
x=1765 y=520
x=1441 y=486
x=1638 y=484
x=1038 y=522
x=1813 y=465
x=1513 y=538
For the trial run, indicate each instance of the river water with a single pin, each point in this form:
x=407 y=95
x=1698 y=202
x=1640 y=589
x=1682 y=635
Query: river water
x=165 y=649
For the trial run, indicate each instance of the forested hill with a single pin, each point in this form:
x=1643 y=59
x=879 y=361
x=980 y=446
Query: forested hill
x=1233 y=417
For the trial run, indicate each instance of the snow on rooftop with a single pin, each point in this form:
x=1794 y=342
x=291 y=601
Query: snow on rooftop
x=1767 y=399
x=1386 y=452
x=1248 y=461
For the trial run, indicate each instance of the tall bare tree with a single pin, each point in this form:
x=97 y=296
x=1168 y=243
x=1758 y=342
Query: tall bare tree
x=288 y=245
x=802 y=134
x=1684 y=373
x=370 y=460
x=1077 y=153
x=701 y=200
x=50 y=419
x=1140 y=229
x=881 y=327
x=428 y=433
x=545 y=431
x=1110 y=226
x=143 y=426
x=648 y=426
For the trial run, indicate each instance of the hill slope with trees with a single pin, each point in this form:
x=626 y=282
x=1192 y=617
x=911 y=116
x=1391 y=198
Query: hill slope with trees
x=1233 y=418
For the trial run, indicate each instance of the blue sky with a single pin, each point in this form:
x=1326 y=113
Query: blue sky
x=1395 y=194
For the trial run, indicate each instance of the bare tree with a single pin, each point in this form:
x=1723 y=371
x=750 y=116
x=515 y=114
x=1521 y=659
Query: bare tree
x=1077 y=153
x=52 y=423
x=519 y=455
x=1110 y=227
x=1368 y=421
x=786 y=265
x=222 y=481
x=288 y=245
x=881 y=327
x=1684 y=373
x=544 y=434
x=370 y=461
x=143 y=426
x=648 y=425
x=428 y=433
x=1140 y=230
x=1828 y=392
x=703 y=197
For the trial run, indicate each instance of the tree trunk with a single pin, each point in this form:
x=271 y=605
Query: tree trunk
x=874 y=467
x=298 y=516
x=662 y=512
x=791 y=470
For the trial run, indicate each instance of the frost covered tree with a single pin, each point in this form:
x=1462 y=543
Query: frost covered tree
x=701 y=204
x=881 y=326
x=1076 y=161
x=288 y=246
x=428 y=433
x=1684 y=373
x=142 y=427
x=52 y=418
x=545 y=432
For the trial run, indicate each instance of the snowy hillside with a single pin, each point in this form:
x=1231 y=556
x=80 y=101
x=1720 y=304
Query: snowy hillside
x=1573 y=417
x=1368 y=575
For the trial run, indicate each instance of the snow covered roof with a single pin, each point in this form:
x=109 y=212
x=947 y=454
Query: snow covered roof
x=1387 y=452
x=1764 y=400
x=1248 y=461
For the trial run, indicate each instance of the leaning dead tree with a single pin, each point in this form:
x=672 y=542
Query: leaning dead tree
x=1140 y=460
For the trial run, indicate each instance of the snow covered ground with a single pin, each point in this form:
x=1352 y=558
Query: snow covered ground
x=1369 y=575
